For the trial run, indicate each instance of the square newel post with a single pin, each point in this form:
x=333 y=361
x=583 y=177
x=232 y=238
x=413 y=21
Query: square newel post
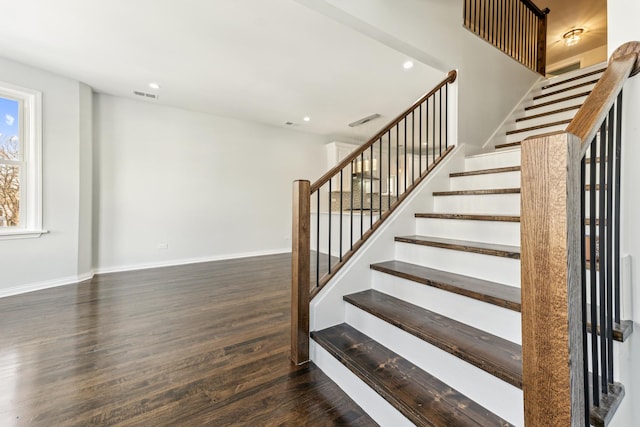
x=552 y=334
x=300 y=271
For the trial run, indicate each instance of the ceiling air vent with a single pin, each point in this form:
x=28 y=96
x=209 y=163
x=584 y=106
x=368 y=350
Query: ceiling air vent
x=364 y=120
x=145 y=94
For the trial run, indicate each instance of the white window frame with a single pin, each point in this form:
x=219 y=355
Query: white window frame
x=30 y=120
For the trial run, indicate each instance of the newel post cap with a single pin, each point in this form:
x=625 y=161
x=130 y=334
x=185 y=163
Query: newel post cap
x=629 y=48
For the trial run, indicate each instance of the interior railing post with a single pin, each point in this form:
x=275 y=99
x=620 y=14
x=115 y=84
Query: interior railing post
x=300 y=271
x=552 y=339
x=542 y=43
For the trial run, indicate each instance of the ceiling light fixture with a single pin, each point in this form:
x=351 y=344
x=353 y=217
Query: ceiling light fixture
x=154 y=85
x=407 y=65
x=572 y=37
x=307 y=118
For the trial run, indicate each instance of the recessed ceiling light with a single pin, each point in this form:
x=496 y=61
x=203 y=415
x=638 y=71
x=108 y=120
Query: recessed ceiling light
x=307 y=118
x=407 y=65
x=154 y=85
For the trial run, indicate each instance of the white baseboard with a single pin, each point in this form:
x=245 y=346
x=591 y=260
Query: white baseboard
x=31 y=287
x=184 y=261
x=22 y=289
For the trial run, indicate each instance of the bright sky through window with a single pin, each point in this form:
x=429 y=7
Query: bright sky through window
x=8 y=121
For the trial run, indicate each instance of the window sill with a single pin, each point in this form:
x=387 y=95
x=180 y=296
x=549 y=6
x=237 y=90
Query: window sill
x=21 y=234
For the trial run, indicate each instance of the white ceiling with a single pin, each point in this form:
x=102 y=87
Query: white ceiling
x=265 y=61
x=565 y=15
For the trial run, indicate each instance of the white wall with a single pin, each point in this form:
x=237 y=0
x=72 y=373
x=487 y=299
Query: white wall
x=208 y=187
x=53 y=258
x=490 y=83
x=586 y=59
x=623 y=27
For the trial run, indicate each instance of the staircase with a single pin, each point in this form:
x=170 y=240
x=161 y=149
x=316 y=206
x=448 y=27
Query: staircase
x=435 y=340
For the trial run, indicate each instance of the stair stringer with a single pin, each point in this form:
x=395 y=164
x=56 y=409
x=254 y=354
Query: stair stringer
x=327 y=308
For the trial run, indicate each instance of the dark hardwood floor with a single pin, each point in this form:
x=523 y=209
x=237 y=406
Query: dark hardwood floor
x=203 y=344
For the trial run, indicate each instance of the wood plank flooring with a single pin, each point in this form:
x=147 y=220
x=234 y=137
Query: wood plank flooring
x=203 y=344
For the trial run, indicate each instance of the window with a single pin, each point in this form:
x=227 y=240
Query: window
x=20 y=162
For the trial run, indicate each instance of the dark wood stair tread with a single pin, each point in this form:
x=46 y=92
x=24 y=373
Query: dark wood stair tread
x=482 y=290
x=538 y=127
x=421 y=397
x=601 y=416
x=621 y=331
x=566 y=89
x=557 y=101
x=495 y=355
x=507 y=145
x=505 y=251
x=561 y=82
x=477 y=192
x=485 y=171
x=471 y=217
x=548 y=113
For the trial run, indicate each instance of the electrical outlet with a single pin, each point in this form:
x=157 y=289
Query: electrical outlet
x=163 y=246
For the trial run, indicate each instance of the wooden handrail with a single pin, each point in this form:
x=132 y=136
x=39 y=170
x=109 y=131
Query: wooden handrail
x=624 y=63
x=451 y=77
x=535 y=9
x=551 y=270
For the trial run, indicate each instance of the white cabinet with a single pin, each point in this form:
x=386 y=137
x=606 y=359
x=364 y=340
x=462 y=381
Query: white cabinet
x=336 y=152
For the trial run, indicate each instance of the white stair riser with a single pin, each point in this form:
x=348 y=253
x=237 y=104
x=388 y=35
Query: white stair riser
x=565 y=115
x=371 y=402
x=575 y=91
x=520 y=136
x=550 y=118
x=567 y=83
x=555 y=105
x=496 y=320
x=487 y=267
x=500 y=232
x=486 y=181
x=497 y=204
x=492 y=160
x=494 y=394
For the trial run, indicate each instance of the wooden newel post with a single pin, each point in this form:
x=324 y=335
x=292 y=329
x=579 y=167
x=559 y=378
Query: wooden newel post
x=542 y=43
x=300 y=271
x=552 y=338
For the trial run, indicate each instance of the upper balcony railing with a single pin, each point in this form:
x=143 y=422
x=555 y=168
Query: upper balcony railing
x=517 y=27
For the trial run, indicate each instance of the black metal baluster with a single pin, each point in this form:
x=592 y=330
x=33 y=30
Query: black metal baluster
x=600 y=261
x=439 y=125
x=380 y=179
x=371 y=187
x=397 y=160
x=605 y=186
x=389 y=169
x=318 y=243
x=405 y=155
x=351 y=188
x=433 y=129
x=446 y=118
x=583 y=277
x=595 y=375
x=413 y=147
x=361 y=193
x=420 y=140
x=329 y=215
x=615 y=222
x=341 y=197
